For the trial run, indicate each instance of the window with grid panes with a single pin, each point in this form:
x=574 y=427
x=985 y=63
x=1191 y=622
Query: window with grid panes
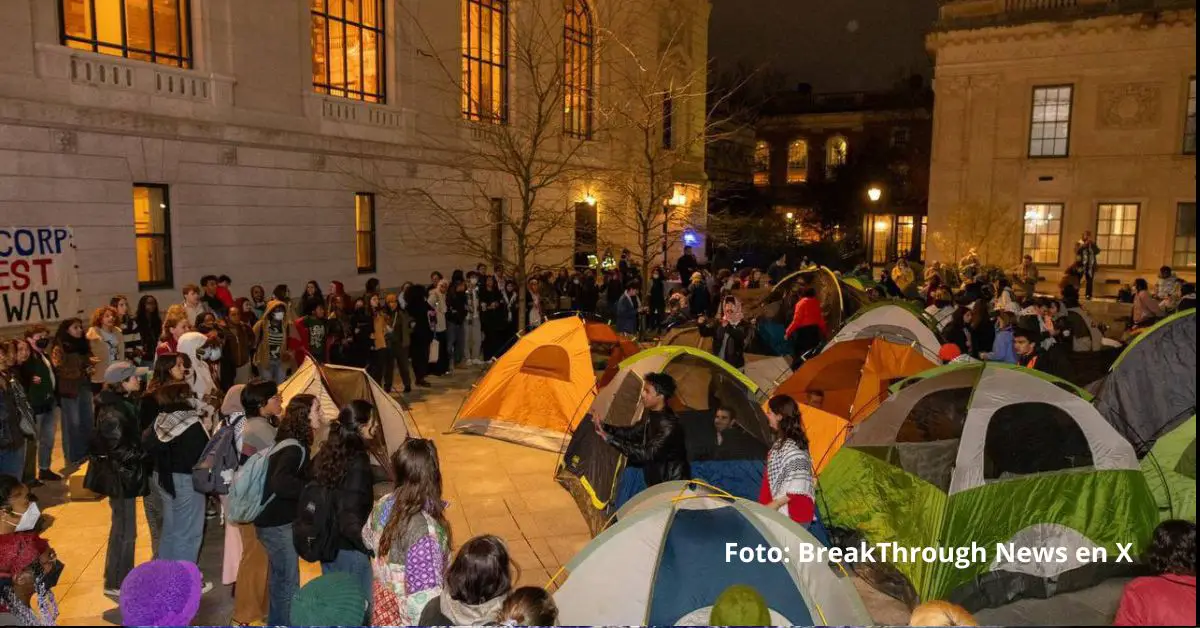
x=485 y=60
x=157 y=31
x=1050 y=121
x=1184 y=253
x=1042 y=236
x=1116 y=233
x=348 y=48
x=578 y=71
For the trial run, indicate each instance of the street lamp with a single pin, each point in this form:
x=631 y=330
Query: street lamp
x=874 y=194
x=590 y=200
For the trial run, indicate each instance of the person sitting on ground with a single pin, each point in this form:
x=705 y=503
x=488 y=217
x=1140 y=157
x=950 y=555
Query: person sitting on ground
x=655 y=443
x=1187 y=299
x=815 y=399
x=1167 y=289
x=1146 y=310
x=1002 y=345
x=939 y=613
x=333 y=599
x=729 y=333
x=477 y=584
x=1030 y=354
x=161 y=593
x=1005 y=301
x=28 y=566
x=729 y=441
x=943 y=307
x=528 y=606
x=1167 y=598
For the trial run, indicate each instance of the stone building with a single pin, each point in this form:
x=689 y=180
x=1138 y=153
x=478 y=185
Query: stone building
x=803 y=141
x=279 y=141
x=1056 y=117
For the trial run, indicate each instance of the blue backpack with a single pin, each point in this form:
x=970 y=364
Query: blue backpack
x=246 y=501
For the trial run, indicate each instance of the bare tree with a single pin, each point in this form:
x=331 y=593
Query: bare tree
x=516 y=152
x=990 y=230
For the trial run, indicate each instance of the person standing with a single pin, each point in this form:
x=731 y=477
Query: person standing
x=788 y=484
x=474 y=323
x=629 y=306
x=658 y=299
x=343 y=468
x=686 y=265
x=41 y=392
x=1029 y=275
x=655 y=443
x=729 y=334
x=262 y=405
x=399 y=341
x=287 y=473
x=421 y=314
x=381 y=356
x=409 y=537
x=314 y=331
x=808 y=328
x=493 y=317
x=174 y=326
x=131 y=334
x=16 y=415
x=698 y=296
x=272 y=337
x=239 y=346
x=73 y=364
x=193 y=304
x=1087 y=252
x=105 y=341
x=1168 y=597
x=456 y=320
x=437 y=304
x=117 y=468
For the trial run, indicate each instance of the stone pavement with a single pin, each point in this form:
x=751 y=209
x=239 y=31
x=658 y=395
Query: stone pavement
x=493 y=487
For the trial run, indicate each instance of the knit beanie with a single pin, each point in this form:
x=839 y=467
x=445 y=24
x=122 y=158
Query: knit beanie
x=949 y=352
x=740 y=605
x=161 y=593
x=334 y=599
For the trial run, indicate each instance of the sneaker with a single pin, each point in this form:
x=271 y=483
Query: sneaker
x=208 y=586
x=46 y=475
x=113 y=593
x=34 y=483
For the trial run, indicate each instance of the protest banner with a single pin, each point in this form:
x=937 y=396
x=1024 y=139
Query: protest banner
x=38 y=278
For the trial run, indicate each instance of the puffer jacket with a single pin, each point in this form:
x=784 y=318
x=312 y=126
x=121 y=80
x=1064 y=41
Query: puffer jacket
x=118 y=465
x=656 y=444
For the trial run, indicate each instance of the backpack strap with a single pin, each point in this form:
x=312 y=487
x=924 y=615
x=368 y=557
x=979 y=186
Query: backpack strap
x=290 y=442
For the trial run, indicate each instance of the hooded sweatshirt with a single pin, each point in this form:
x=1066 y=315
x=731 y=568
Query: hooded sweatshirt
x=274 y=340
x=201 y=379
x=446 y=611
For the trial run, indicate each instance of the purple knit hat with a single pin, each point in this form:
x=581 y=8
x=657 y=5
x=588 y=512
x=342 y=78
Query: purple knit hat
x=161 y=593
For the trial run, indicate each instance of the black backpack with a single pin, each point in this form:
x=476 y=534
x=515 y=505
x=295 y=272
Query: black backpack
x=315 y=532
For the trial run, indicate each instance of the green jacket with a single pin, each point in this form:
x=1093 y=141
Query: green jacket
x=401 y=324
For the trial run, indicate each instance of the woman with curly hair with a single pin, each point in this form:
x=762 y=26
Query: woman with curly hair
x=1169 y=597
x=410 y=538
x=344 y=465
x=287 y=473
x=788 y=484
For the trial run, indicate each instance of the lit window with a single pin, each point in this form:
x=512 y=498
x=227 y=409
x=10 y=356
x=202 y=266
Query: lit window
x=1189 y=125
x=924 y=232
x=348 y=48
x=157 y=31
x=797 y=164
x=485 y=60
x=1043 y=232
x=1185 y=236
x=900 y=137
x=904 y=235
x=836 y=152
x=152 y=229
x=577 y=78
x=762 y=163
x=364 y=228
x=1116 y=233
x=1050 y=122
x=881 y=237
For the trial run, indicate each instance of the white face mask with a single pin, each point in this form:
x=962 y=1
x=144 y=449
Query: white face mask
x=278 y=316
x=29 y=518
x=213 y=354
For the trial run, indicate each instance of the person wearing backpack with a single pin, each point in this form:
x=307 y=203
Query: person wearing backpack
x=262 y=406
x=175 y=443
x=117 y=467
x=286 y=474
x=337 y=501
x=216 y=469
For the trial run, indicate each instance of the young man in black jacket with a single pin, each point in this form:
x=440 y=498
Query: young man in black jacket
x=656 y=443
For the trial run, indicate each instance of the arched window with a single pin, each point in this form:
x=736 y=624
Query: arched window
x=836 y=150
x=578 y=34
x=762 y=163
x=347 y=48
x=797 y=171
x=485 y=60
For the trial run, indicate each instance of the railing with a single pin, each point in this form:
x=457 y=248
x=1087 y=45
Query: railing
x=1012 y=6
x=355 y=112
x=979 y=13
x=111 y=73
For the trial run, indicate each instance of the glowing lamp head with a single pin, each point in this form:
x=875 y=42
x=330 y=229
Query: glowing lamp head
x=590 y=200
x=790 y=215
x=690 y=238
x=874 y=194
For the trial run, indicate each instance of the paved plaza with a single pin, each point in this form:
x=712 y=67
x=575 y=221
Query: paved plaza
x=494 y=487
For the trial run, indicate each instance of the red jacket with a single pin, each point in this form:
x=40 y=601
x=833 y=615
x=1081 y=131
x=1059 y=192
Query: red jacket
x=800 y=507
x=808 y=312
x=224 y=296
x=1166 y=600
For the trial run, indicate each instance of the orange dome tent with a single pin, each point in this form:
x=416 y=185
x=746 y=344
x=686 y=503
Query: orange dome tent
x=853 y=376
x=540 y=388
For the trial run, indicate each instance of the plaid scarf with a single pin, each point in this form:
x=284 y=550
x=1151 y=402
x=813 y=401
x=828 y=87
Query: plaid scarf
x=789 y=470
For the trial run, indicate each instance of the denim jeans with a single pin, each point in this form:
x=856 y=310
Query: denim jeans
x=122 y=538
x=47 y=427
x=152 y=504
x=275 y=372
x=12 y=461
x=77 y=424
x=356 y=564
x=283 y=572
x=456 y=342
x=183 y=521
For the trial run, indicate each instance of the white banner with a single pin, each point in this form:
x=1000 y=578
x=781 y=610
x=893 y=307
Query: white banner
x=38 y=279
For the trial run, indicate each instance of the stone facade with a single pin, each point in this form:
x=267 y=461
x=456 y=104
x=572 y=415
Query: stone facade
x=261 y=170
x=1130 y=69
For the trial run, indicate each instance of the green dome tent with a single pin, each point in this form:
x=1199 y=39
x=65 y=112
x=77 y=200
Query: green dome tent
x=988 y=454
x=896 y=320
x=1149 y=396
x=664 y=564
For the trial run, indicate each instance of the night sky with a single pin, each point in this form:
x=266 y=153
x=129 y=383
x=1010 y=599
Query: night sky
x=836 y=45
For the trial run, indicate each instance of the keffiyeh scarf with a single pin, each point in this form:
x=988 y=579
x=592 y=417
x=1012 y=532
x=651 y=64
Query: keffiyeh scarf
x=789 y=471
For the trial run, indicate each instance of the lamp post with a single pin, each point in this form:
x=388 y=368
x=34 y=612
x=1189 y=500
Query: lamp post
x=878 y=225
